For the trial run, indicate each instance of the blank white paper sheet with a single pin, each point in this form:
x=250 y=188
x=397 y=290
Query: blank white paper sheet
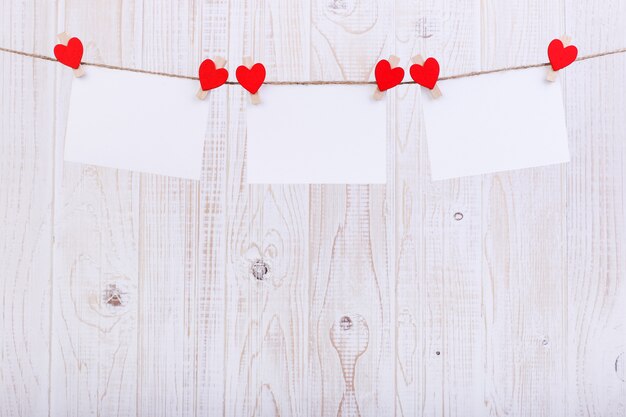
x=317 y=134
x=495 y=122
x=137 y=122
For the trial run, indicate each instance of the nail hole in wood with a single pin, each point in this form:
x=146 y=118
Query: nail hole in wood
x=437 y=353
x=345 y=323
x=259 y=269
x=545 y=342
x=458 y=216
x=113 y=296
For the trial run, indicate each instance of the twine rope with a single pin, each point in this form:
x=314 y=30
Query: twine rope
x=343 y=82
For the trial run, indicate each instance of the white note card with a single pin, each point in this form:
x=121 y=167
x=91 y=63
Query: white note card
x=138 y=122
x=317 y=134
x=495 y=122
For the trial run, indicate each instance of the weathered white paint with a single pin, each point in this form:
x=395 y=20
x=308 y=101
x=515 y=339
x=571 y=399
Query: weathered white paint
x=131 y=294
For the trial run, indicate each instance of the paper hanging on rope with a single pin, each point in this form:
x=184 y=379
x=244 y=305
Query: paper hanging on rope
x=318 y=134
x=138 y=122
x=495 y=122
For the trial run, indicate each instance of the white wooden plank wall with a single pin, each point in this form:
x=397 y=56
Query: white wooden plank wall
x=126 y=294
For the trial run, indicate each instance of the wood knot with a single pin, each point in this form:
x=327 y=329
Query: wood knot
x=350 y=334
x=113 y=296
x=259 y=269
x=424 y=28
x=345 y=323
x=341 y=8
x=458 y=216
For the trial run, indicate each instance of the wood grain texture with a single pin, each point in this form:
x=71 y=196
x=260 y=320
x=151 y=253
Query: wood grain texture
x=96 y=253
x=26 y=219
x=266 y=330
x=132 y=294
x=209 y=293
x=169 y=235
x=596 y=183
x=94 y=311
x=524 y=265
x=94 y=314
x=438 y=282
x=351 y=228
x=27 y=140
x=595 y=237
x=28 y=26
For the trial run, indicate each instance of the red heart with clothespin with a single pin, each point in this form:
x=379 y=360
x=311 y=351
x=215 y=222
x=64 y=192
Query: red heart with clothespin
x=70 y=54
x=427 y=74
x=387 y=77
x=210 y=76
x=251 y=78
x=561 y=56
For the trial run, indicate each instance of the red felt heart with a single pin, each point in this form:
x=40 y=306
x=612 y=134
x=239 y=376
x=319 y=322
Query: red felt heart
x=251 y=78
x=387 y=77
x=426 y=75
x=211 y=77
x=70 y=54
x=560 y=56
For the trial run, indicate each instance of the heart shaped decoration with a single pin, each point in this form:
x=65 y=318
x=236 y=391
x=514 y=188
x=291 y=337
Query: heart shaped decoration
x=560 y=56
x=210 y=76
x=387 y=77
x=427 y=74
x=251 y=78
x=70 y=54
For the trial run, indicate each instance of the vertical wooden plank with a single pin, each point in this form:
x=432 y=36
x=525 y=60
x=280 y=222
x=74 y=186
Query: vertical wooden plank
x=524 y=271
x=209 y=291
x=524 y=256
x=351 y=237
x=349 y=232
x=596 y=229
x=168 y=253
x=94 y=313
x=111 y=32
x=169 y=232
x=519 y=34
x=210 y=284
x=28 y=26
x=27 y=98
x=596 y=27
x=266 y=328
x=463 y=335
x=439 y=354
x=595 y=238
x=96 y=254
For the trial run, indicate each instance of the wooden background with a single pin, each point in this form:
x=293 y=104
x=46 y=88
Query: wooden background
x=126 y=294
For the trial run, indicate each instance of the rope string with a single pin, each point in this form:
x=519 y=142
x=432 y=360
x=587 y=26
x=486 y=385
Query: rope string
x=345 y=82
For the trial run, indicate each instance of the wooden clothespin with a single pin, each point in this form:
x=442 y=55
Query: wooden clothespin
x=393 y=62
x=209 y=77
x=64 y=38
x=552 y=74
x=428 y=74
